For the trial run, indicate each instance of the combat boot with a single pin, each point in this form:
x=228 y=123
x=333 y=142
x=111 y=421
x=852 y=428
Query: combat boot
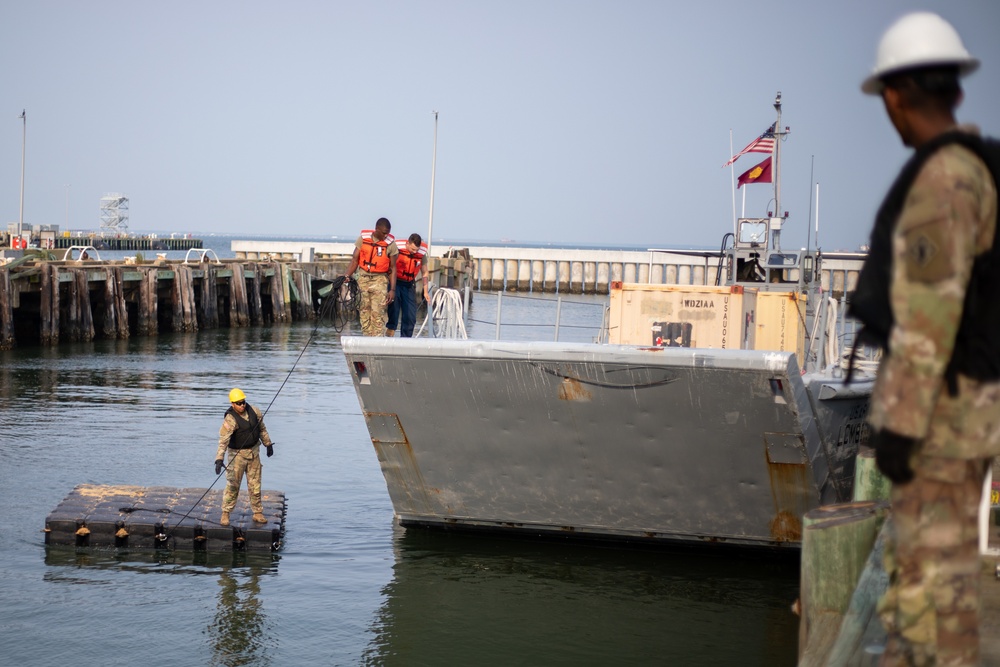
x=259 y=517
x=390 y=333
x=225 y=519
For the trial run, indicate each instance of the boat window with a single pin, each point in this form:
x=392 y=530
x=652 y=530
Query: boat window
x=783 y=259
x=753 y=232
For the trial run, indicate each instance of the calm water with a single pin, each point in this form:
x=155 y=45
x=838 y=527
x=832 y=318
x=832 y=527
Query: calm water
x=348 y=588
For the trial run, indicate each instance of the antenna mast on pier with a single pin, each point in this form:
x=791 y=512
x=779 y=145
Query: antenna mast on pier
x=114 y=215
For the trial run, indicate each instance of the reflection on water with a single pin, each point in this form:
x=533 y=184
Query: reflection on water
x=239 y=631
x=459 y=599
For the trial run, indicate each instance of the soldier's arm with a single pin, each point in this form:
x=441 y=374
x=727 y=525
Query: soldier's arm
x=225 y=433
x=933 y=250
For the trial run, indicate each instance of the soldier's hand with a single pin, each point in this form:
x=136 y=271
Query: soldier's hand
x=892 y=455
x=218 y=466
x=270 y=451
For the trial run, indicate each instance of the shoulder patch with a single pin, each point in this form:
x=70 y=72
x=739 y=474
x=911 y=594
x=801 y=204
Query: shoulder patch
x=927 y=259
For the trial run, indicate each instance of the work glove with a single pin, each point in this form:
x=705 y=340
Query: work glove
x=892 y=455
x=270 y=451
x=218 y=466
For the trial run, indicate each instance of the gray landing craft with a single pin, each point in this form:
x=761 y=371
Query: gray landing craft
x=712 y=415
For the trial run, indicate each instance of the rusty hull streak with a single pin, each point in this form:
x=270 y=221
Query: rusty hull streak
x=788 y=483
x=570 y=389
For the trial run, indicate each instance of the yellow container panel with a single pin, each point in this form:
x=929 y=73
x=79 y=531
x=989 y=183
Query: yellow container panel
x=680 y=316
x=781 y=323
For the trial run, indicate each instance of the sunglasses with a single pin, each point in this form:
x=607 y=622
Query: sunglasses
x=239 y=402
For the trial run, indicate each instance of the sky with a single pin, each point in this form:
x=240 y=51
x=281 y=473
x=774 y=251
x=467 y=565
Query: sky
x=570 y=122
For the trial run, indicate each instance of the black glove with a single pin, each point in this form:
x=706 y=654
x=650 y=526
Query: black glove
x=892 y=455
x=270 y=451
x=218 y=466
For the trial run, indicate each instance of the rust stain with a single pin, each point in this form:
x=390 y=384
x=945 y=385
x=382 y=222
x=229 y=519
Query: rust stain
x=573 y=390
x=786 y=527
x=790 y=490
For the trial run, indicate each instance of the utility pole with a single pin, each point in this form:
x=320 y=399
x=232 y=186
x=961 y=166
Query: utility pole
x=24 y=139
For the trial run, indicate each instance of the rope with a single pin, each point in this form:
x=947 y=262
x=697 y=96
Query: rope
x=446 y=308
x=341 y=305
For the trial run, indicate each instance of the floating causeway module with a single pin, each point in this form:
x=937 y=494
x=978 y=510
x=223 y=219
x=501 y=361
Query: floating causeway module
x=161 y=517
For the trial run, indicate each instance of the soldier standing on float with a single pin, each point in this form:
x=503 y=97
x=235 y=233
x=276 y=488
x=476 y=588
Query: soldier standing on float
x=374 y=260
x=926 y=295
x=241 y=433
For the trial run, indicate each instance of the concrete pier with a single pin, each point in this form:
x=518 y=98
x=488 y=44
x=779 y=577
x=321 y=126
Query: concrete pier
x=567 y=271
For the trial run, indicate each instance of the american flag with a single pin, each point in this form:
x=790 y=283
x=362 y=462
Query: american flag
x=762 y=144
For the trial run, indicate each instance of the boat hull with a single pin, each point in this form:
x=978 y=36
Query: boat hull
x=606 y=441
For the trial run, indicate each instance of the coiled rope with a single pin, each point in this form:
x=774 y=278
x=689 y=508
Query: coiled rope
x=446 y=308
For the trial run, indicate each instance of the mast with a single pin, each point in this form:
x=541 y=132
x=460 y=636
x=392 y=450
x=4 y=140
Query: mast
x=777 y=219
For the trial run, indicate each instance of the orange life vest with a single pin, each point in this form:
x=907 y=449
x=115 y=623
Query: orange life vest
x=408 y=265
x=373 y=256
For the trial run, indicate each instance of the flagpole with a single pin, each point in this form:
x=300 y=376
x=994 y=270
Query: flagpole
x=732 y=178
x=430 y=222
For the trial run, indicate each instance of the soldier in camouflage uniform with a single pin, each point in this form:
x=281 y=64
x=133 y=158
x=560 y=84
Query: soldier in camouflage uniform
x=373 y=266
x=935 y=424
x=241 y=434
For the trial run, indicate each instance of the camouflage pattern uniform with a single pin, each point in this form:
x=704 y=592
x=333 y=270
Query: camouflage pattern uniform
x=242 y=461
x=373 y=310
x=931 y=608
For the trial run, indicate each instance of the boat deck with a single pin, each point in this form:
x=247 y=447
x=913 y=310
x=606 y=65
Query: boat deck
x=161 y=517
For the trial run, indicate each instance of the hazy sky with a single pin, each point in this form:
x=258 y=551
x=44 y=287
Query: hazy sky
x=560 y=120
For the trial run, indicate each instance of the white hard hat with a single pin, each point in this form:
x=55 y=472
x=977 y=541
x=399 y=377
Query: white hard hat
x=920 y=39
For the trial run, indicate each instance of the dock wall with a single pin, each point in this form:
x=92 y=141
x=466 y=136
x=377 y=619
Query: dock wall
x=566 y=271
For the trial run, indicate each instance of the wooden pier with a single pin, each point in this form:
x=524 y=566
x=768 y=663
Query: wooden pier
x=46 y=302
x=160 y=517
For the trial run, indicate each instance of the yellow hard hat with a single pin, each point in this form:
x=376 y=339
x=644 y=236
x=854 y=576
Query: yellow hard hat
x=237 y=395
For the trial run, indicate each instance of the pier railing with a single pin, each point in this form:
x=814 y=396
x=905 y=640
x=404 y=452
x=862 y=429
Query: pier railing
x=560 y=270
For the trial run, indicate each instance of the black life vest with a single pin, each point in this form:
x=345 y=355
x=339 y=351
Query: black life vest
x=976 y=353
x=246 y=434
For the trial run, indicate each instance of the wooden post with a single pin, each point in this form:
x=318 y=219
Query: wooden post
x=836 y=542
x=86 y=316
x=185 y=279
x=148 y=304
x=861 y=626
x=73 y=307
x=6 y=312
x=869 y=482
x=209 y=312
x=254 y=309
x=45 y=305
x=108 y=329
x=278 y=294
x=238 y=316
x=122 y=328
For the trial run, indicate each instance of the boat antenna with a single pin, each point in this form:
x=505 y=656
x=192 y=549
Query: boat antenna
x=812 y=167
